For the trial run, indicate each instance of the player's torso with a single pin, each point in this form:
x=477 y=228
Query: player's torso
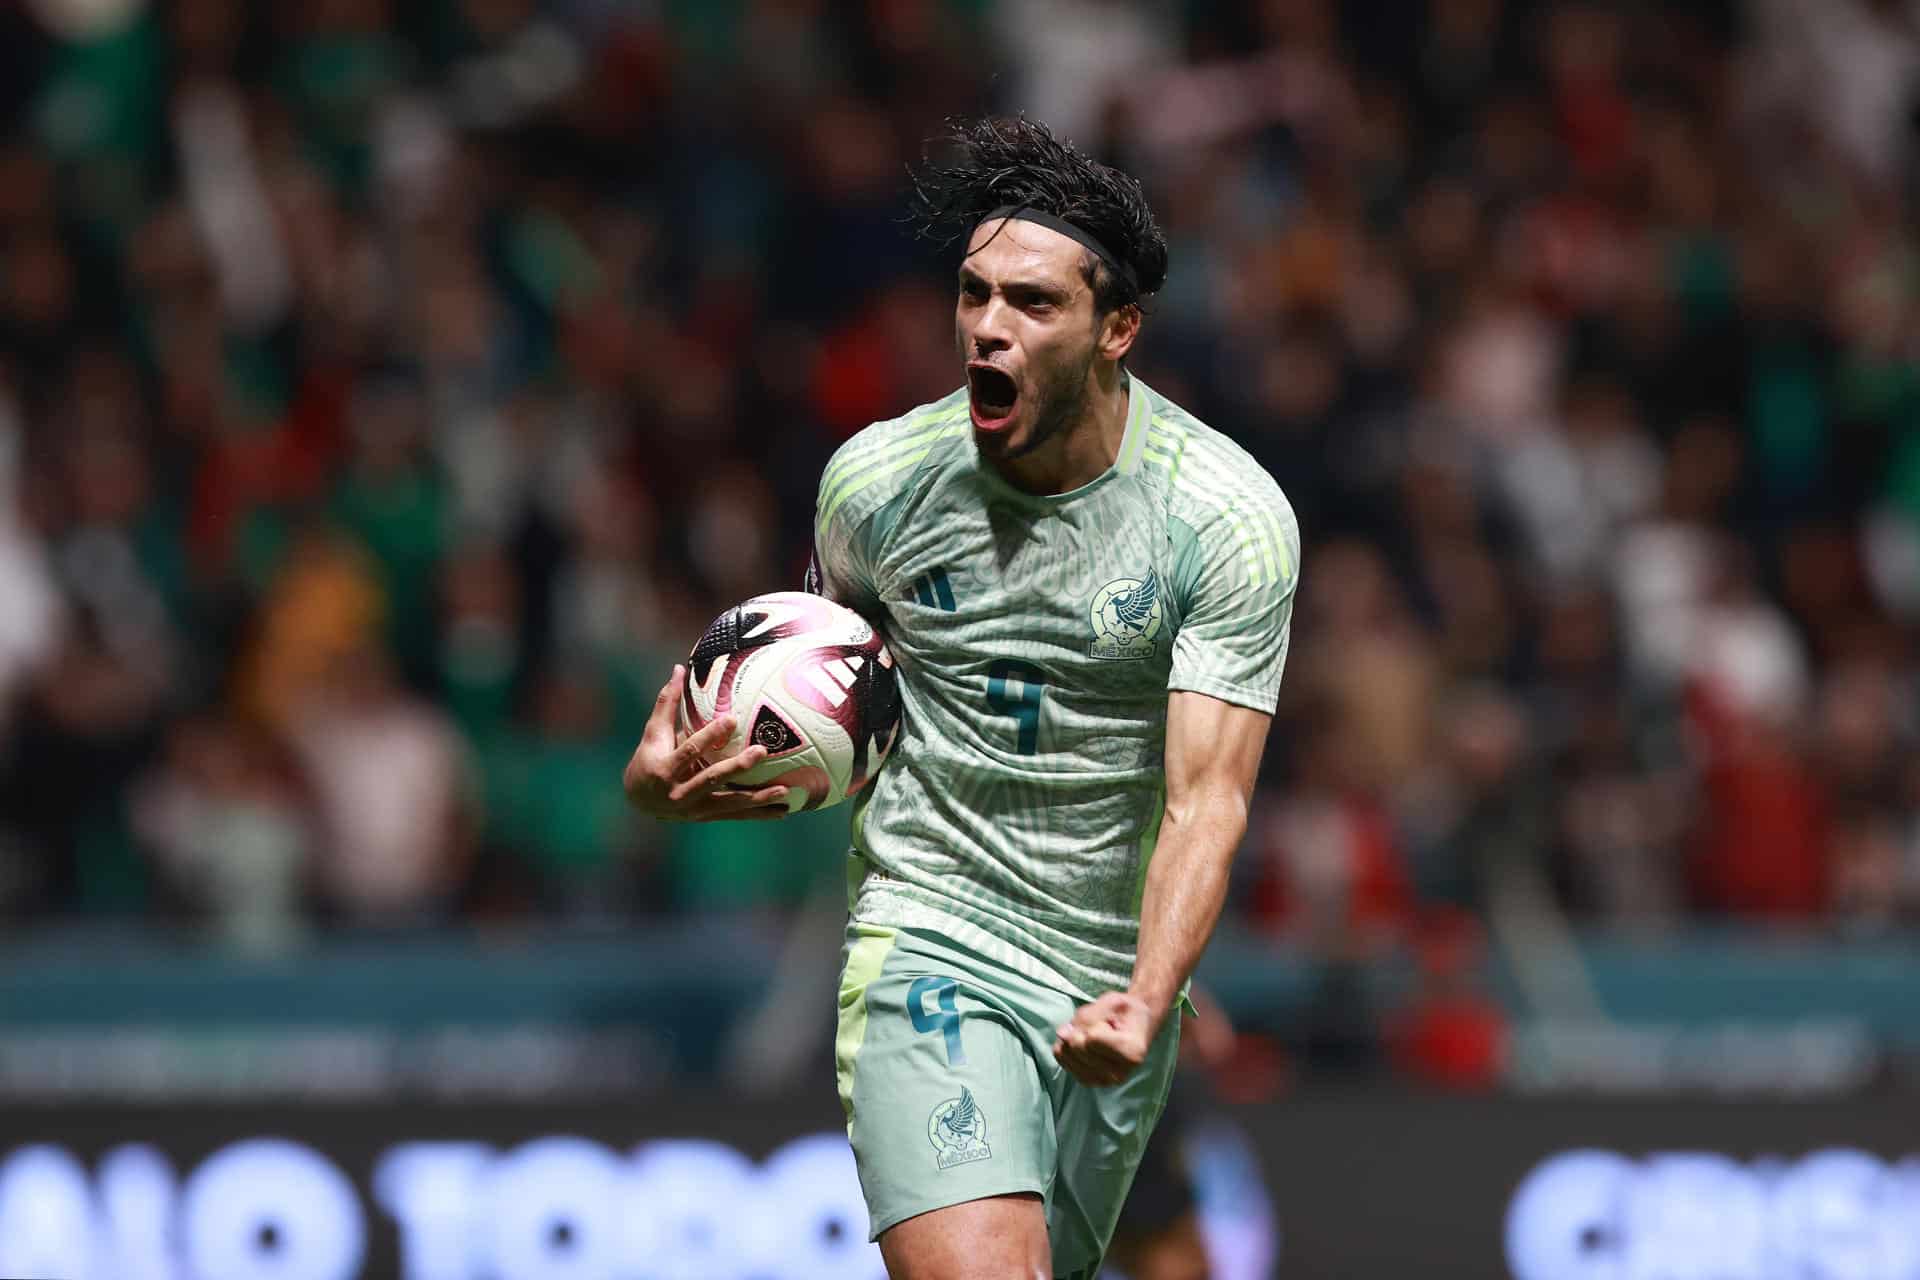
x=1038 y=637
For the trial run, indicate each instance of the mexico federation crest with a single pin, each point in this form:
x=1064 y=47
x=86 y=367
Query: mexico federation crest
x=1126 y=616
x=958 y=1130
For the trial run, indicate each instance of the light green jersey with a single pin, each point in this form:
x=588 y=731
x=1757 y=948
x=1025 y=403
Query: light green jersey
x=1037 y=638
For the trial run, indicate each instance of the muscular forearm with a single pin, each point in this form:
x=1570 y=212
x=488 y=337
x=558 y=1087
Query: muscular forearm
x=1212 y=758
x=1186 y=887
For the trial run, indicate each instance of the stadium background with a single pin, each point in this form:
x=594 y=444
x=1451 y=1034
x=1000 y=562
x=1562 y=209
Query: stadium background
x=391 y=389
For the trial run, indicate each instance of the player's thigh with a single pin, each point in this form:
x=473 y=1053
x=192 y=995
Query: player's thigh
x=1102 y=1137
x=946 y=1104
x=999 y=1238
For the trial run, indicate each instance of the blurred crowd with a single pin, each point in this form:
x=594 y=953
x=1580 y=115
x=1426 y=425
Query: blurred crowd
x=390 y=391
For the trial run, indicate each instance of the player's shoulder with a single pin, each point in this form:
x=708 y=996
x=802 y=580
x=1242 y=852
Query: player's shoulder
x=1205 y=476
x=919 y=425
x=880 y=460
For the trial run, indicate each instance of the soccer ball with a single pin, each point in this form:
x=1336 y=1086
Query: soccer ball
x=805 y=678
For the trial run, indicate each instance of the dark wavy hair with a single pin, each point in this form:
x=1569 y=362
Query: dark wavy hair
x=977 y=166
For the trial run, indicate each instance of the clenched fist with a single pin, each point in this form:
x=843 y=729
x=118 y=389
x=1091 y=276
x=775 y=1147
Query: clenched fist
x=1106 y=1040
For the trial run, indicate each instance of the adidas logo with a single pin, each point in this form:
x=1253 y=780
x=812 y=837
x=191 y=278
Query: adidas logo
x=934 y=590
x=834 y=677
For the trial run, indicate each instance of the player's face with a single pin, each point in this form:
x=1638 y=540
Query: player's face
x=1027 y=335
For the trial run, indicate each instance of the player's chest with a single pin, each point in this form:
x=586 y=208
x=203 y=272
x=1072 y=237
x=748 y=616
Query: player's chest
x=1084 y=593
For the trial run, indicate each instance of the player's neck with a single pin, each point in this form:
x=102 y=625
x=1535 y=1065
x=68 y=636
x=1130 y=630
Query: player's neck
x=1083 y=450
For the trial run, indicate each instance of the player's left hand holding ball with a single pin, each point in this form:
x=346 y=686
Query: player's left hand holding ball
x=1107 y=1040
x=670 y=777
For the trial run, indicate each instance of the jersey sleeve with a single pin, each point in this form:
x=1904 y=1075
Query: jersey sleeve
x=838 y=567
x=1239 y=569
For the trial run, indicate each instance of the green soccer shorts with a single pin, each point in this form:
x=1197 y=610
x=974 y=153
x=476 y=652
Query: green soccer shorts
x=947 y=1075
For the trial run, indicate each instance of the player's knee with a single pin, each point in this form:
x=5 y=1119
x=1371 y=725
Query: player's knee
x=998 y=1238
x=970 y=1269
x=964 y=1263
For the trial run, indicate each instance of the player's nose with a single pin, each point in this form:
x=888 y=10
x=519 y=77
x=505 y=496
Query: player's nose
x=991 y=331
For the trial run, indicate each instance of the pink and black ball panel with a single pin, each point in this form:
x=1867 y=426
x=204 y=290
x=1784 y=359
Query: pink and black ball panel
x=858 y=688
x=734 y=635
x=875 y=715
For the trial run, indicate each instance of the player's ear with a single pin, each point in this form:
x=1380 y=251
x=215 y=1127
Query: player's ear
x=1118 y=329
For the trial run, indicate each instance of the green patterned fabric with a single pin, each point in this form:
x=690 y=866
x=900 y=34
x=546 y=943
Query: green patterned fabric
x=1037 y=639
x=952 y=1093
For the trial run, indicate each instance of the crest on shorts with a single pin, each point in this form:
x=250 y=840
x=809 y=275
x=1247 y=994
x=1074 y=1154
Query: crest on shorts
x=958 y=1130
x=1126 y=616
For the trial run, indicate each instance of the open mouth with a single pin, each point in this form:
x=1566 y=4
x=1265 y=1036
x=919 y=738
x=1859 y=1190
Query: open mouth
x=993 y=395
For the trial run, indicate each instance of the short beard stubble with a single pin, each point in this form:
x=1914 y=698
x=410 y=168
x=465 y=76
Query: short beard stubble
x=1061 y=400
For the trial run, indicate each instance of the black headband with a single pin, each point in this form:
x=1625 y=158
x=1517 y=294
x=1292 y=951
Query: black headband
x=1072 y=232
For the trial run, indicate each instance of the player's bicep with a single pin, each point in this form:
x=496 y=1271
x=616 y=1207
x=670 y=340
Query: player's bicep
x=1213 y=751
x=835 y=568
x=816 y=582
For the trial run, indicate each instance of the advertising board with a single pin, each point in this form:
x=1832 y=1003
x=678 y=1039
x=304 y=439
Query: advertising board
x=666 y=1187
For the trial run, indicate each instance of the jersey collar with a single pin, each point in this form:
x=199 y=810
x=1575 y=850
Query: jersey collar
x=1133 y=441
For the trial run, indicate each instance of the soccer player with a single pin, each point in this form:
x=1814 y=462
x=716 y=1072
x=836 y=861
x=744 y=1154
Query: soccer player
x=1088 y=594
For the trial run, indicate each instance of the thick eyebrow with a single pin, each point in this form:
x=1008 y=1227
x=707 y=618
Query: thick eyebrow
x=1031 y=288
